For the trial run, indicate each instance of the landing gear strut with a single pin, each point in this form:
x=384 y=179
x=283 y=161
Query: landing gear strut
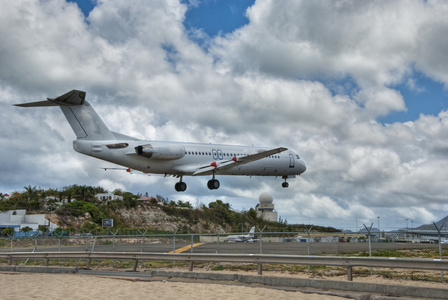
x=285 y=184
x=180 y=186
x=213 y=183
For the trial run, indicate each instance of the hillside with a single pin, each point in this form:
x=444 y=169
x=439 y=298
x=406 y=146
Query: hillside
x=77 y=209
x=443 y=222
x=216 y=217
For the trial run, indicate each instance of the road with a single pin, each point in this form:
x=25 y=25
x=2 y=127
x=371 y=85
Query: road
x=291 y=248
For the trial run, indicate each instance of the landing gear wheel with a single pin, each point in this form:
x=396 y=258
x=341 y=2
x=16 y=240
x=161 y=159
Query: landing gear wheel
x=213 y=184
x=285 y=184
x=180 y=186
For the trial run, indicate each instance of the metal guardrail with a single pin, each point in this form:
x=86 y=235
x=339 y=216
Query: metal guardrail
x=259 y=259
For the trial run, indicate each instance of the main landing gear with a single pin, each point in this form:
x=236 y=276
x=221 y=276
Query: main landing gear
x=213 y=183
x=180 y=186
x=285 y=184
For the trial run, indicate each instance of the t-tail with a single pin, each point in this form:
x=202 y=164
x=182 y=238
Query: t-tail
x=252 y=231
x=83 y=119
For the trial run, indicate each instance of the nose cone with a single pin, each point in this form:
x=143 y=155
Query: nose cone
x=302 y=166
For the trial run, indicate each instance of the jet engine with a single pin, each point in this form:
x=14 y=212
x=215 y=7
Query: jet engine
x=161 y=151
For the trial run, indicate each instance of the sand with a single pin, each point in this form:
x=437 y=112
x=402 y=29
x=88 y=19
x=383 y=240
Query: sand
x=76 y=286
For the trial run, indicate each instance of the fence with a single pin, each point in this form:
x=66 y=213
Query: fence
x=296 y=243
x=400 y=244
x=259 y=259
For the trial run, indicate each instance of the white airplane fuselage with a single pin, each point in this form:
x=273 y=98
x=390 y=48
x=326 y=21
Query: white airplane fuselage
x=178 y=159
x=185 y=158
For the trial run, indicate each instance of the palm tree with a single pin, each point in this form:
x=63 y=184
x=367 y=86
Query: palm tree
x=31 y=192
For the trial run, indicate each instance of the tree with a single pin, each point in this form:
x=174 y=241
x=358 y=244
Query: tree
x=43 y=228
x=118 y=192
x=26 y=229
x=59 y=231
x=31 y=192
x=8 y=232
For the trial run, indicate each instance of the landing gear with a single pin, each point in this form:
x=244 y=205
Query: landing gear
x=213 y=183
x=285 y=184
x=180 y=186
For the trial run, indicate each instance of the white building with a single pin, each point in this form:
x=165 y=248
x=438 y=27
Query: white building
x=18 y=219
x=265 y=209
x=108 y=197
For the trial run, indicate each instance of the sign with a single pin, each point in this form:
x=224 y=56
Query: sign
x=107 y=223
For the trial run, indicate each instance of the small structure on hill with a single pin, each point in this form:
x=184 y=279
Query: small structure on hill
x=265 y=209
x=106 y=197
x=18 y=219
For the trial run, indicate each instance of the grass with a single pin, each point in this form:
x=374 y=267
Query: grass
x=409 y=253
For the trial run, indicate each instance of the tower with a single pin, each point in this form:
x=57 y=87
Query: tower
x=265 y=209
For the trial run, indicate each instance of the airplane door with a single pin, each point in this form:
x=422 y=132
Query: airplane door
x=291 y=161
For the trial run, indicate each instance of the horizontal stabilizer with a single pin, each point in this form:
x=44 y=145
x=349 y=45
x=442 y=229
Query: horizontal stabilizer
x=37 y=104
x=71 y=98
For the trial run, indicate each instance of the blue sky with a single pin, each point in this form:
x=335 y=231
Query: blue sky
x=322 y=78
x=427 y=97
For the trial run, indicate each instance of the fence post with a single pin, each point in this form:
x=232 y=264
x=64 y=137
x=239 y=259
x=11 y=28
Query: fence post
x=260 y=269
x=308 y=231
x=261 y=239
x=440 y=244
x=370 y=244
x=174 y=246
x=190 y=266
x=349 y=274
x=134 y=269
x=217 y=232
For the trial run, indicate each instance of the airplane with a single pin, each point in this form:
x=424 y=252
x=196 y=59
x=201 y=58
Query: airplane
x=241 y=238
x=178 y=159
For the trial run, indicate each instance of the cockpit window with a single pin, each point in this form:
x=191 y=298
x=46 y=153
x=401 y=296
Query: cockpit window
x=298 y=157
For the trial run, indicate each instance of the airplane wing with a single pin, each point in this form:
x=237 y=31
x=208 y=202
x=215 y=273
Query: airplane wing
x=227 y=164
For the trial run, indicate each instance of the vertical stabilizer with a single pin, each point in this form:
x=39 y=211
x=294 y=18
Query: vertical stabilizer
x=83 y=119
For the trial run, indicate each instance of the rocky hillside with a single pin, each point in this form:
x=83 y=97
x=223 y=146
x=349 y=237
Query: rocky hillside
x=217 y=217
x=151 y=217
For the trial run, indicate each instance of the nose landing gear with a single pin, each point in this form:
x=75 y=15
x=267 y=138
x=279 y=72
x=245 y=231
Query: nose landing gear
x=285 y=184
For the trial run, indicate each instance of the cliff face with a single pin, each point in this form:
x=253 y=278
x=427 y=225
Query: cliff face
x=148 y=217
x=155 y=218
x=143 y=216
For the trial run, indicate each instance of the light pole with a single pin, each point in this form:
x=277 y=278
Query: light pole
x=378 y=224
x=407 y=230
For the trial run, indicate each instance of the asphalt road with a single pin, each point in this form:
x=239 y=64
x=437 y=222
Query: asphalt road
x=285 y=248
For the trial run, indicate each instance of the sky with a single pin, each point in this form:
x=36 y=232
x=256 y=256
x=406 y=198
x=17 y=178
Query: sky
x=357 y=88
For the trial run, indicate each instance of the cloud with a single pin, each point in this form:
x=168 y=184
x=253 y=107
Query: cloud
x=311 y=76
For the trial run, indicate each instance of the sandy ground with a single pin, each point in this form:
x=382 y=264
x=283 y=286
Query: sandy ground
x=372 y=279
x=68 y=286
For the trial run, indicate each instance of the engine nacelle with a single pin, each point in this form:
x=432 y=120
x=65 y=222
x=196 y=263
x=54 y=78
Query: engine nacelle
x=162 y=152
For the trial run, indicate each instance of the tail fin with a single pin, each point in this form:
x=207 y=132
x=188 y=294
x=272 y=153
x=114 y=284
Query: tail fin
x=83 y=119
x=252 y=231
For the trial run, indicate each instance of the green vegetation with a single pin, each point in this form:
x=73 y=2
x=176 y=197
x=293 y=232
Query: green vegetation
x=80 y=211
x=410 y=253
